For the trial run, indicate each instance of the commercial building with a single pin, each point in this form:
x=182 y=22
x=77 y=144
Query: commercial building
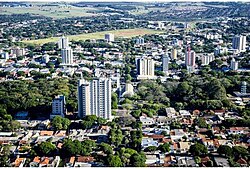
x=94 y=98
x=58 y=106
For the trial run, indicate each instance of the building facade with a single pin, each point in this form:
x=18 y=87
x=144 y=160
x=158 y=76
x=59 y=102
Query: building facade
x=239 y=43
x=190 y=60
x=63 y=43
x=67 y=56
x=109 y=37
x=234 y=65
x=145 y=68
x=58 y=106
x=165 y=63
x=94 y=98
x=206 y=59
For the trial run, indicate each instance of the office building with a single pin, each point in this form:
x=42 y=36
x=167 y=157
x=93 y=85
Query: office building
x=165 y=63
x=63 y=43
x=234 y=65
x=174 y=53
x=58 y=107
x=110 y=37
x=190 y=60
x=67 y=56
x=94 y=98
x=206 y=59
x=145 y=68
x=239 y=43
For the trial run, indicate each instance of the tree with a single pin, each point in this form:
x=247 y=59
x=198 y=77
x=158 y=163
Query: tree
x=164 y=147
x=114 y=99
x=5 y=155
x=60 y=123
x=114 y=161
x=45 y=149
x=198 y=149
x=150 y=149
x=240 y=151
x=137 y=160
x=201 y=122
x=106 y=148
x=225 y=150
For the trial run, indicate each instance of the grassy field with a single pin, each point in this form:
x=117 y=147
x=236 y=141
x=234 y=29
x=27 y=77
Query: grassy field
x=56 y=12
x=126 y=33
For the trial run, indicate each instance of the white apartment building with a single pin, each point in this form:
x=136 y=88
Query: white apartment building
x=239 y=43
x=94 y=98
x=67 y=56
x=63 y=43
x=145 y=68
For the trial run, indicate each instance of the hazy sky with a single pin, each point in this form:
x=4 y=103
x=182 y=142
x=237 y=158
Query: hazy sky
x=116 y=0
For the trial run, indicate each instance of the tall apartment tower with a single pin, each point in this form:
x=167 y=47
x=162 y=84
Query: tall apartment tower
x=165 y=63
x=63 y=43
x=239 y=42
x=145 y=68
x=244 y=87
x=67 y=56
x=174 y=53
x=190 y=59
x=109 y=37
x=58 y=106
x=234 y=65
x=206 y=59
x=140 y=41
x=94 y=98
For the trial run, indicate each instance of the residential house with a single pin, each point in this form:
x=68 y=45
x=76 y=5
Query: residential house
x=45 y=161
x=84 y=161
x=147 y=120
x=70 y=162
x=19 y=162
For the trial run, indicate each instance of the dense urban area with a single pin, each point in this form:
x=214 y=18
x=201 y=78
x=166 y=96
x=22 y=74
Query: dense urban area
x=124 y=84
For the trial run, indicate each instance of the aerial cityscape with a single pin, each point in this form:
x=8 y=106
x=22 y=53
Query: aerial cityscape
x=124 y=84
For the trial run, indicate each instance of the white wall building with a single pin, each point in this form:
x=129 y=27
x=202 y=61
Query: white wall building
x=234 y=65
x=63 y=43
x=67 y=56
x=94 y=98
x=145 y=68
x=206 y=59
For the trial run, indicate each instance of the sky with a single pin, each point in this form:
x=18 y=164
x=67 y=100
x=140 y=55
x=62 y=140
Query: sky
x=119 y=0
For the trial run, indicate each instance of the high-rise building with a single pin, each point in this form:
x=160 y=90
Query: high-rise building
x=234 y=65
x=244 y=87
x=58 y=106
x=63 y=43
x=206 y=59
x=190 y=59
x=109 y=37
x=174 y=53
x=140 y=41
x=94 y=98
x=67 y=56
x=239 y=42
x=45 y=58
x=16 y=52
x=165 y=63
x=145 y=68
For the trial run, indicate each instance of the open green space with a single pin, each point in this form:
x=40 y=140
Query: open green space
x=56 y=12
x=125 y=33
